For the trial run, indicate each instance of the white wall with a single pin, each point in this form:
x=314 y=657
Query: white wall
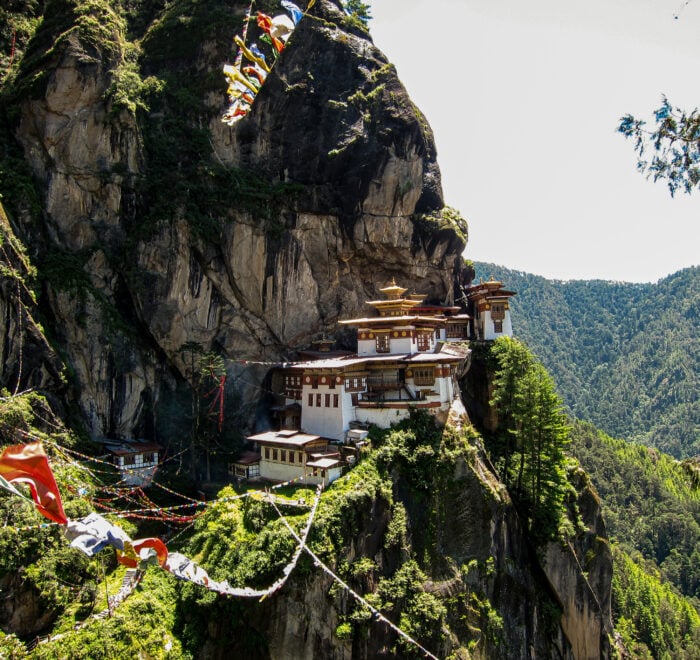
x=366 y=347
x=328 y=422
x=382 y=417
x=279 y=471
x=487 y=326
x=403 y=344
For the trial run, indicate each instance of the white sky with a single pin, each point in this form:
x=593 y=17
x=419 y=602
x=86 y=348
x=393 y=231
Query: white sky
x=524 y=97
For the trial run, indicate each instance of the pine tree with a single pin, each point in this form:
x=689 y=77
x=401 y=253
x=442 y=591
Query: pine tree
x=532 y=431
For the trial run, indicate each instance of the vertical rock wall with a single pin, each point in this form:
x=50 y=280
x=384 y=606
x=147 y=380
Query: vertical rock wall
x=332 y=120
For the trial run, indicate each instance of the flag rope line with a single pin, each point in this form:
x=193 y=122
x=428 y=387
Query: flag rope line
x=352 y=592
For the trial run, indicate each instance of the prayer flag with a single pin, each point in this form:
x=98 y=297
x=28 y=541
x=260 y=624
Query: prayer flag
x=265 y=24
x=295 y=12
x=29 y=465
x=92 y=533
x=145 y=549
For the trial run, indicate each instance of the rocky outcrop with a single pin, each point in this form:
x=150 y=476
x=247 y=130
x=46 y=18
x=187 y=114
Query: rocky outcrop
x=332 y=131
x=580 y=572
x=27 y=361
x=22 y=610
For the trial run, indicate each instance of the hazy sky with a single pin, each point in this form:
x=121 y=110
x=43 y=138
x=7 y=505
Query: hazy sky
x=524 y=97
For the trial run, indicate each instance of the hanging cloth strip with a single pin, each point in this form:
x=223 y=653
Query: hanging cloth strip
x=28 y=464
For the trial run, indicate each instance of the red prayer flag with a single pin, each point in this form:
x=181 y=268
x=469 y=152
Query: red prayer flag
x=264 y=22
x=28 y=464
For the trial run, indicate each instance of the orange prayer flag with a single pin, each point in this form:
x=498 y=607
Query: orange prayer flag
x=29 y=464
x=265 y=24
x=132 y=561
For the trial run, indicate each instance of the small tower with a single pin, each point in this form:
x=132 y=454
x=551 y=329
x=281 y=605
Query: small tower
x=490 y=310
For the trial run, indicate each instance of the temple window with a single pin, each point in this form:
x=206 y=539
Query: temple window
x=423 y=341
x=424 y=376
x=335 y=400
x=328 y=401
x=354 y=384
x=382 y=343
x=498 y=311
x=311 y=400
x=498 y=326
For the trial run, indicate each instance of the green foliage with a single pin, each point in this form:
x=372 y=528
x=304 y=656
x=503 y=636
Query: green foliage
x=18 y=22
x=344 y=631
x=34 y=556
x=412 y=452
x=66 y=271
x=358 y=10
x=18 y=192
x=429 y=226
x=59 y=574
x=97 y=26
x=143 y=625
x=529 y=448
x=674 y=144
x=419 y=613
x=11 y=647
x=139 y=14
x=624 y=356
x=339 y=516
x=129 y=91
x=650 y=503
x=205 y=193
x=242 y=544
x=651 y=616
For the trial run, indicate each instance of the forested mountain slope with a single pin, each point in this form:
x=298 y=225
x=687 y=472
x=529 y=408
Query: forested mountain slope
x=624 y=356
x=651 y=504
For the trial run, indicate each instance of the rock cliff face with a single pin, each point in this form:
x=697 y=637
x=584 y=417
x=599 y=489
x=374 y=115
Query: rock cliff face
x=349 y=164
x=26 y=358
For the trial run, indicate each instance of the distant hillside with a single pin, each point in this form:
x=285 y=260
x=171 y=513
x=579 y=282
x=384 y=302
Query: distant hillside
x=651 y=503
x=625 y=356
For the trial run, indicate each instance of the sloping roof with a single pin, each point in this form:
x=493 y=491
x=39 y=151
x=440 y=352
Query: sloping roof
x=449 y=352
x=284 y=438
x=247 y=458
x=433 y=357
x=384 y=320
x=324 y=463
x=125 y=448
